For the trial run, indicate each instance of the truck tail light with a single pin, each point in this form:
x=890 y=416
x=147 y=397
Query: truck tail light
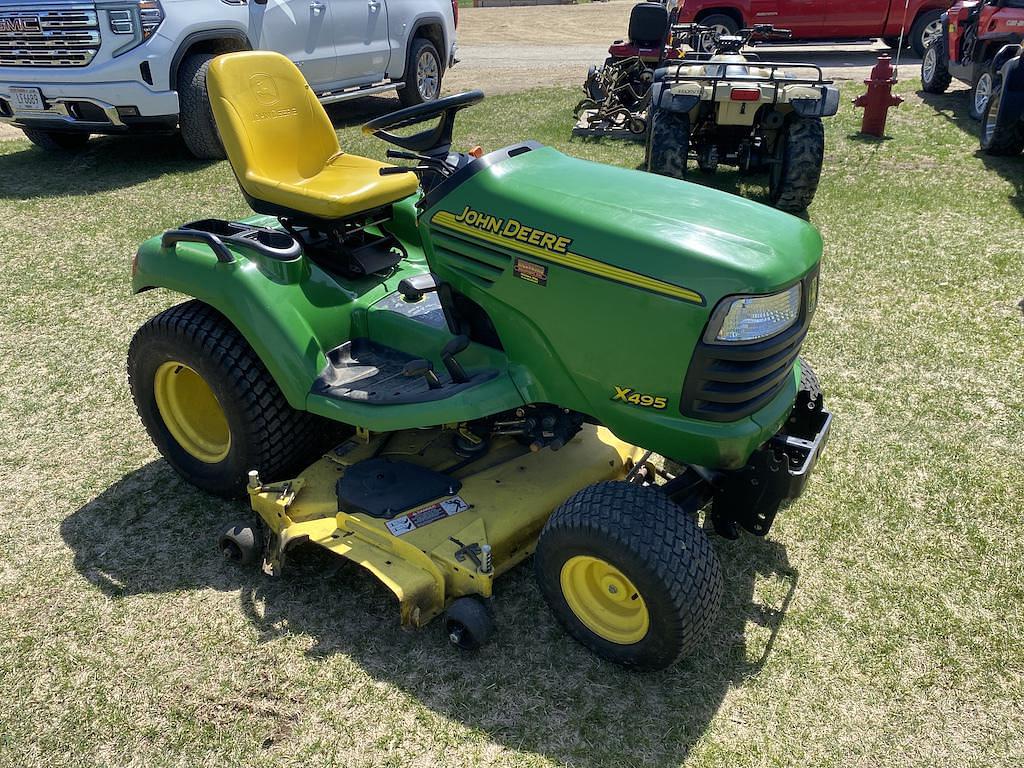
x=455 y=11
x=745 y=94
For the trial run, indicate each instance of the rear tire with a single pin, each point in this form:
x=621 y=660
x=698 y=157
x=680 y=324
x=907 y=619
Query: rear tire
x=981 y=92
x=668 y=143
x=57 y=141
x=198 y=128
x=194 y=341
x=1001 y=137
x=423 y=75
x=629 y=574
x=925 y=31
x=724 y=25
x=935 y=77
x=799 y=153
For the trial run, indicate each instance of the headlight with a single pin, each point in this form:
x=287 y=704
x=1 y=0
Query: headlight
x=752 y=318
x=137 y=18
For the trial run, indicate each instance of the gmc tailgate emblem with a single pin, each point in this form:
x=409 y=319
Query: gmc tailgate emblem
x=20 y=24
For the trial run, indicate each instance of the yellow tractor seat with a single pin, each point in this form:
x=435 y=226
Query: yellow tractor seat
x=283 y=148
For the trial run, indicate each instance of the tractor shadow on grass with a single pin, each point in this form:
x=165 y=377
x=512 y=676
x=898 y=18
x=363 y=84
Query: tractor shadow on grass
x=953 y=108
x=532 y=689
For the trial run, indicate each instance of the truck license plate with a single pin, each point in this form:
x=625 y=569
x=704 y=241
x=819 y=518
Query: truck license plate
x=27 y=98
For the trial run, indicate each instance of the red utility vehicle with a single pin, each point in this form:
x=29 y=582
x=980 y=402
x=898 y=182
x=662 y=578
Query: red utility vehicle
x=824 y=19
x=971 y=48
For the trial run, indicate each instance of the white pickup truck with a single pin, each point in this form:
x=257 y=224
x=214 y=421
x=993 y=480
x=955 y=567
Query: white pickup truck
x=71 y=68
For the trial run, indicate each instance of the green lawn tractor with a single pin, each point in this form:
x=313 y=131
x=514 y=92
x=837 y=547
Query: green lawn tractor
x=439 y=370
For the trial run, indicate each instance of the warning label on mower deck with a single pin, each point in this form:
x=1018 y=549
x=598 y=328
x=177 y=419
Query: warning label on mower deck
x=413 y=520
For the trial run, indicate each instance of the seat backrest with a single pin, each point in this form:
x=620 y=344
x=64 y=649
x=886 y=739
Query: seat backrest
x=648 y=25
x=270 y=121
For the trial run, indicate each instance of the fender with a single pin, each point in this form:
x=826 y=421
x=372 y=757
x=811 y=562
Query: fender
x=1011 y=107
x=234 y=34
x=663 y=98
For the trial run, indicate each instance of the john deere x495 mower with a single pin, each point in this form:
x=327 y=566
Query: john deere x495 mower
x=498 y=345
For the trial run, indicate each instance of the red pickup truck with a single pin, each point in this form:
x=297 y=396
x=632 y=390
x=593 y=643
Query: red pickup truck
x=824 y=19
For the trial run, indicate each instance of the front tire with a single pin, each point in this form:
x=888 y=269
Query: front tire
x=629 y=574
x=209 y=404
x=935 y=77
x=57 y=141
x=981 y=92
x=925 y=31
x=668 y=143
x=198 y=128
x=423 y=76
x=796 y=170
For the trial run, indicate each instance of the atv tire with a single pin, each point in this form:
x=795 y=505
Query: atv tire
x=796 y=170
x=926 y=31
x=1004 y=137
x=198 y=128
x=668 y=143
x=263 y=432
x=56 y=141
x=629 y=574
x=935 y=77
x=981 y=93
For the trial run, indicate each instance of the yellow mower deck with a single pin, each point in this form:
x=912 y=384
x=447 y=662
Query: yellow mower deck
x=434 y=553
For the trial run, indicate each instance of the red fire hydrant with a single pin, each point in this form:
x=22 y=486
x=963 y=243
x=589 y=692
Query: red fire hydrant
x=879 y=98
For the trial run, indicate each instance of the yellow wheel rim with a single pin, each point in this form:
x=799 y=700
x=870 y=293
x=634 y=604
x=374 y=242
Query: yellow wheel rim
x=191 y=412
x=604 y=600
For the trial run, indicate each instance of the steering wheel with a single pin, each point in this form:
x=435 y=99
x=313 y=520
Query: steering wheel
x=432 y=140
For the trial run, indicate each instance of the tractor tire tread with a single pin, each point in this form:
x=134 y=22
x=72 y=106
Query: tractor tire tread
x=805 y=153
x=668 y=143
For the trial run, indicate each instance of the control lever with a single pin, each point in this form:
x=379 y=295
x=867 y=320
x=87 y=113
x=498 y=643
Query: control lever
x=451 y=349
x=397 y=154
x=422 y=368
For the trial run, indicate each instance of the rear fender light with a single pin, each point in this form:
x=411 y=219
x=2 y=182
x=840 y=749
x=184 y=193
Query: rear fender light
x=745 y=94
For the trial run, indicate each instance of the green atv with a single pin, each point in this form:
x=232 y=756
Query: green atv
x=439 y=370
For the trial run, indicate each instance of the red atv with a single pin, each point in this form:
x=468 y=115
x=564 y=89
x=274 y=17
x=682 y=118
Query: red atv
x=974 y=33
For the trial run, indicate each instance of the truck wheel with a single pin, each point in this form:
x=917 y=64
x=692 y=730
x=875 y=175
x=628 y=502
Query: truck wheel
x=423 y=74
x=926 y=29
x=796 y=167
x=56 y=141
x=721 y=24
x=209 y=404
x=981 y=91
x=629 y=574
x=668 y=143
x=935 y=77
x=1001 y=134
x=198 y=128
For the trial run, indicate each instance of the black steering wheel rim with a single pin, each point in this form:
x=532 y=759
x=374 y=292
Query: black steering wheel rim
x=435 y=138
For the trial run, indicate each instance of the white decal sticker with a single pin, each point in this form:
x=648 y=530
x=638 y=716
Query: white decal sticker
x=413 y=520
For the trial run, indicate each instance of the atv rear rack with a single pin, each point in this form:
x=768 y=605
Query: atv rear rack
x=665 y=74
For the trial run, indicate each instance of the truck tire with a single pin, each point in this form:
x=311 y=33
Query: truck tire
x=721 y=23
x=935 y=77
x=56 y=141
x=926 y=29
x=668 y=143
x=209 y=404
x=796 y=170
x=629 y=574
x=198 y=128
x=1001 y=134
x=422 y=74
x=981 y=92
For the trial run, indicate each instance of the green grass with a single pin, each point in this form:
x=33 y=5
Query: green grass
x=880 y=624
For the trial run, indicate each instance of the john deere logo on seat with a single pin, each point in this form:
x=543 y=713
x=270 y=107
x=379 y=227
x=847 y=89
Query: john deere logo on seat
x=264 y=89
x=19 y=24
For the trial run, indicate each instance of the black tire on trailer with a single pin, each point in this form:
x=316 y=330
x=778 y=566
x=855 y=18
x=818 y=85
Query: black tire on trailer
x=1001 y=134
x=981 y=92
x=668 y=143
x=629 y=574
x=424 y=71
x=210 y=405
x=926 y=30
x=198 y=128
x=796 y=170
x=935 y=77
x=57 y=141
x=721 y=23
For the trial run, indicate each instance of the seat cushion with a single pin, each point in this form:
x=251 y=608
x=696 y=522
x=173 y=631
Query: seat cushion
x=347 y=185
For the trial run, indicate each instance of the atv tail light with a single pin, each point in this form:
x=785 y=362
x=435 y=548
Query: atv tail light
x=752 y=318
x=745 y=94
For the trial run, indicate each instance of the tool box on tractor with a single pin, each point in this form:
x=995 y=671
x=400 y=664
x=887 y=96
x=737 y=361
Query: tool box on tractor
x=971 y=48
x=440 y=370
x=727 y=107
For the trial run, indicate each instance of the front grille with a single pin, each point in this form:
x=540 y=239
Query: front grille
x=728 y=382
x=67 y=36
x=482 y=266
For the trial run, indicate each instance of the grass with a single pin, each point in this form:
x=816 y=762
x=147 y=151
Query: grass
x=880 y=624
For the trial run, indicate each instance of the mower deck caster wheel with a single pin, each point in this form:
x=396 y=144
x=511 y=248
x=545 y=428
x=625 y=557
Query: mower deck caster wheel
x=468 y=624
x=240 y=544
